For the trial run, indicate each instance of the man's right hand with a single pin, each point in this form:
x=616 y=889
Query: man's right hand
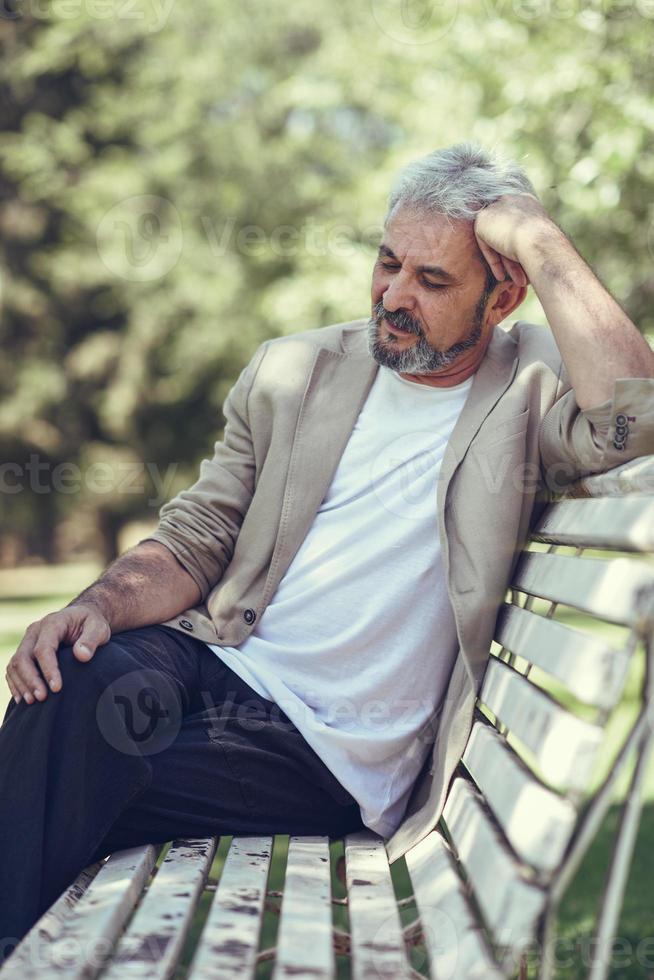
x=81 y=626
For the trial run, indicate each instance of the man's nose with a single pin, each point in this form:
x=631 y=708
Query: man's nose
x=398 y=295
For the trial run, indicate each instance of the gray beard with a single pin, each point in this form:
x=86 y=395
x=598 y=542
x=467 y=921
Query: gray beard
x=421 y=358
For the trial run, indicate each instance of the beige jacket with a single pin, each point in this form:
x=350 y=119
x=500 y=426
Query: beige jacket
x=288 y=419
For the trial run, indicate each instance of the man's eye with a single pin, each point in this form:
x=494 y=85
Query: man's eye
x=391 y=266
x=434 y=285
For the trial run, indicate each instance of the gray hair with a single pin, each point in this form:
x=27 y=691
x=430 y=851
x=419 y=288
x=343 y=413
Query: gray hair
x=457 y=181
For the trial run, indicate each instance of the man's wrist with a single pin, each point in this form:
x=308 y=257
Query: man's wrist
x=541 y=243
x=91 y=599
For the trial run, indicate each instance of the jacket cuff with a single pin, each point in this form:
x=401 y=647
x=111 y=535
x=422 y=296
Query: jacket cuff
x=626 y=421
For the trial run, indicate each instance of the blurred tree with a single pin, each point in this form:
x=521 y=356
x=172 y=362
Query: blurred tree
x=178 y=183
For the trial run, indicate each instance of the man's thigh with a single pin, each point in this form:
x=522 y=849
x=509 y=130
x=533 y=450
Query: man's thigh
x=237 y=766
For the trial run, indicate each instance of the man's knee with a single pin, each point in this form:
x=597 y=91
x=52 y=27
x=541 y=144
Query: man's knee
x=137 y=707
x=70 y=667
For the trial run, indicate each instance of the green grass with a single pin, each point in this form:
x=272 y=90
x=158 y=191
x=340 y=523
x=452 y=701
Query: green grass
x=28 y=593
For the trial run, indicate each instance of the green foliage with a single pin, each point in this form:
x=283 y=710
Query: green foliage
x=179 y=182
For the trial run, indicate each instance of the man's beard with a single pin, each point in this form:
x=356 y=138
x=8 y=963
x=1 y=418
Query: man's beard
x=422 y=357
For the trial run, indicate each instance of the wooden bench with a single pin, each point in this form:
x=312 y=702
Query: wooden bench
x=481 y=892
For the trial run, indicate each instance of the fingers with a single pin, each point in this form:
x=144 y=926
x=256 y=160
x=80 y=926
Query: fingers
x=95 y=632
x=515 y=271
x=493 y=258
x=34 y=668
x=53 y=632
x=503 y=267
x=22 y=677
x=37 y=650
x=13 y=690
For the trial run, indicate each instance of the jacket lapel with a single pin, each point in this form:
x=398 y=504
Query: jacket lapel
x=338 y=385
x=493 y=377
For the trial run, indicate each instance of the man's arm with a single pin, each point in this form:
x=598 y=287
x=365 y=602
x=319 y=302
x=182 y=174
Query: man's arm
x=145 y=585
x=171 y=570
x=598 y=342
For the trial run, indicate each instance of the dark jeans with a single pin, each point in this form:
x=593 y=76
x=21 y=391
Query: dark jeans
x=154 y=738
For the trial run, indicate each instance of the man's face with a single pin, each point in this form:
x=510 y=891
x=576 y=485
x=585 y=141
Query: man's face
x=429 y=295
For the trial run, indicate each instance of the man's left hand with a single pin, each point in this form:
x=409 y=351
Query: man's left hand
x=502 y=230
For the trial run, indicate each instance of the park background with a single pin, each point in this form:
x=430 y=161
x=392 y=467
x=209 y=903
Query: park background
x=179 y=182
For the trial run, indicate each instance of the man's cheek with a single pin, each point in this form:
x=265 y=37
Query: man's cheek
x=378 y=288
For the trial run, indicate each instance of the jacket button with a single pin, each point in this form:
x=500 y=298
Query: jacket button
x=186 y=624
x=249 y=616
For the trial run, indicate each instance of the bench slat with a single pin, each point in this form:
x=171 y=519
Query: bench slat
x=607 y=589
x=510 y=904
x=153 y=942
x=636 y=476
x=455 y=941
x=591 y=669
x=306 y=912
x=564 y=746
x=376 y=933
x=230 y=939
x=624 y=523
x=89 y=932
x=537 y=821
x=32 y=957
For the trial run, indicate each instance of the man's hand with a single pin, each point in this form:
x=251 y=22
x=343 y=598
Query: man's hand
x=503 y=230
x=81 y=626
x=146 y=585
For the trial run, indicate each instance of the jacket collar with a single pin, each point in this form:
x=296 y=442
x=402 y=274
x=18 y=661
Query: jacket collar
x=491 y=380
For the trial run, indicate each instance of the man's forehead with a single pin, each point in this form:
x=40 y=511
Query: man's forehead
x=424 y=237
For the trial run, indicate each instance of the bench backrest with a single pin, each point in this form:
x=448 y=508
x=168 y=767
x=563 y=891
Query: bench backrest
x=525 y=806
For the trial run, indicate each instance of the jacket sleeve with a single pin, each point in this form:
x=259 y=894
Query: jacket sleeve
x=200 y=525
x=575 y=443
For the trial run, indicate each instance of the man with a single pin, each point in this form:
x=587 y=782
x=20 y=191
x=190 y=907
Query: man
x=341 y=557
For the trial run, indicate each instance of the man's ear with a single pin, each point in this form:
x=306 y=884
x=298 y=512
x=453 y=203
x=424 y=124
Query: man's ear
x=508 y=297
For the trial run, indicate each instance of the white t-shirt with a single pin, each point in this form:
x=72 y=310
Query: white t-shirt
x=358 y=642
